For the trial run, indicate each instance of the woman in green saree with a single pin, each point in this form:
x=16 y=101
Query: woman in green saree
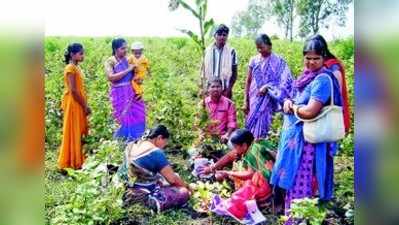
x=258 y=158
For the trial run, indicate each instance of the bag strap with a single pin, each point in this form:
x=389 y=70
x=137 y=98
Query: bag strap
x=322 y=113
x=332 y=91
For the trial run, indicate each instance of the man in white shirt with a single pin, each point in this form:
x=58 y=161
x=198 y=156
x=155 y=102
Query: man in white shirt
x=221 y=61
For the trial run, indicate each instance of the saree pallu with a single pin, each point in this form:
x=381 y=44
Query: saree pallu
x=344 y=93
x=260 y=158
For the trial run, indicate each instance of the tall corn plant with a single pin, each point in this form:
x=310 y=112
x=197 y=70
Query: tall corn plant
x=199 y=11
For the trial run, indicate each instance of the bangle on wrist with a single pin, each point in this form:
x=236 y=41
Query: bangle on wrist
x=295 y=108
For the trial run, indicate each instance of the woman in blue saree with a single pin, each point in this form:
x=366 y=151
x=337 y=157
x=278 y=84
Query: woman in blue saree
x=298 y=161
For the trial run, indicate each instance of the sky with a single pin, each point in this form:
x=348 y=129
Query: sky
x=148 y=18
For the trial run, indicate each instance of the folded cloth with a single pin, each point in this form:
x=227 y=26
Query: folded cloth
x=199 y=165
x=242 y=203
x=245 y=212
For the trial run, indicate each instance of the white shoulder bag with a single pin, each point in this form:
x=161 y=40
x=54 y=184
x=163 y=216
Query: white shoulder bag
x=328 y=126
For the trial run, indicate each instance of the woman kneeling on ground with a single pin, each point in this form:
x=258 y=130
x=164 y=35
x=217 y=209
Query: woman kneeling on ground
x=258 y=160
x=152 y=181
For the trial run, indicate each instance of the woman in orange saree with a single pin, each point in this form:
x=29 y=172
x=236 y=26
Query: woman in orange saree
x=76 y=110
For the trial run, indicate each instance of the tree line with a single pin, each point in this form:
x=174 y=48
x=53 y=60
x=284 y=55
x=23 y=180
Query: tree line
x=308 y=15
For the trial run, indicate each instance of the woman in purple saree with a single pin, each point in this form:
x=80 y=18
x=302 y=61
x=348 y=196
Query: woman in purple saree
x=127 y=111
x=269 y=82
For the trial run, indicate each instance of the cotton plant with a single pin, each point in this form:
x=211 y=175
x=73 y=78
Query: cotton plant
x=204 y=191
x=98 y=195
x=306 y=211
